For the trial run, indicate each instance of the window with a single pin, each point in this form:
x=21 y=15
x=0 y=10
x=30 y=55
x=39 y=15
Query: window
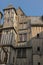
x=21 y=53
x=38 y=63
x=38 y=48
x=23 y=37
x=23 y=26
x=37 y=35
x=20 y=37
x=13 y=59
x=8 y=13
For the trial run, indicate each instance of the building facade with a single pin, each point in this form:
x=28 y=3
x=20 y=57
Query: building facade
x=21 y=38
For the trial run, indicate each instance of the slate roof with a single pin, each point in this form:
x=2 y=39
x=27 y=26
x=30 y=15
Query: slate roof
x=20 y=12
x=9 y=7
x=36 y=21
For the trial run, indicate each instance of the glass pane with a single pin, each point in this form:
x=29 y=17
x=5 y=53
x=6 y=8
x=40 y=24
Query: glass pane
x=20 y=37
x=19 y=53
x=23 y=53
x=25 y=37
x=25 y=26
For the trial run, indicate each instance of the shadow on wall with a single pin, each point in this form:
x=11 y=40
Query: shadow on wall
x=37 y=43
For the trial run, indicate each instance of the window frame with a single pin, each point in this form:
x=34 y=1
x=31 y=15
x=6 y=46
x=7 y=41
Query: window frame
x=24 y=26
x=23 y=37
x=38 y=63
x=21 y=55
x=38 y=35
x=38 y=48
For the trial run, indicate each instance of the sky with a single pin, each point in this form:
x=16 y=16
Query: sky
x=30 y=7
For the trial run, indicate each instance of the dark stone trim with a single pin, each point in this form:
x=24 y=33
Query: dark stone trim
x=40 y=54
x=7 y=46
x=16 y=47
x=23 y=47
x=37 y=25
x=23 y=29
x=8 y=29
x=37 y=37
x=9 y=9
x=21 y=41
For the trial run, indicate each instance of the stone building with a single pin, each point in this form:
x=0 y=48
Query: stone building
x=21 y=38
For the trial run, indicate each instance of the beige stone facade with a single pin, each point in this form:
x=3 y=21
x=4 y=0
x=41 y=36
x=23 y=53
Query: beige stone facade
x=28 y=32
